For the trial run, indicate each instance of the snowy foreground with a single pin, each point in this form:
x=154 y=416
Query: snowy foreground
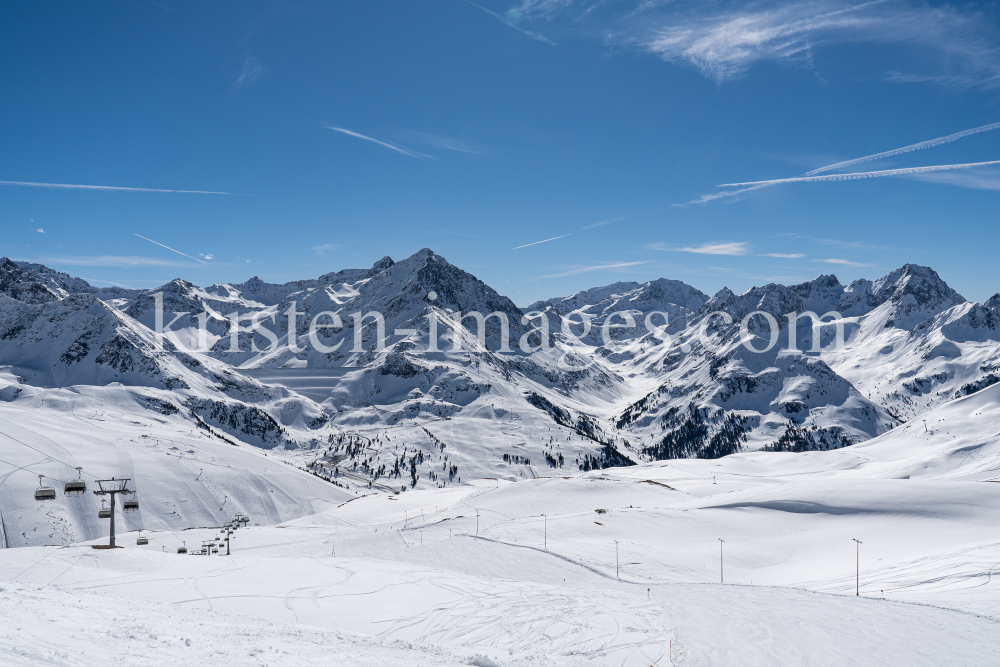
x=404 y=579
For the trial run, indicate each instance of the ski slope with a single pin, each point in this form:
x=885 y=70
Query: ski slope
x=183 y=475
x=526 y=572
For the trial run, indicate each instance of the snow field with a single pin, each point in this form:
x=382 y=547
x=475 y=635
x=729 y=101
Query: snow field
x=399 y=575
x=183 y=475
x=48 y=625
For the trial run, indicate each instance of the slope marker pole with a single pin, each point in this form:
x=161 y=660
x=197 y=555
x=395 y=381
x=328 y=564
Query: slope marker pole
x=857 y=566
x=722 y=578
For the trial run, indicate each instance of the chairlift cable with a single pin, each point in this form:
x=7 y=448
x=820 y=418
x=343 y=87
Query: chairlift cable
x=37 y=562
x=85 y=553
x=45 y=454
x=26 y=469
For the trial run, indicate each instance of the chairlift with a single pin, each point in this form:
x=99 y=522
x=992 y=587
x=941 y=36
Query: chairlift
x=130 y=505
x=76 y=487
x=142 y=540
x=183 y=549
x=44 y=492
x=215 y=550
x=104 y=512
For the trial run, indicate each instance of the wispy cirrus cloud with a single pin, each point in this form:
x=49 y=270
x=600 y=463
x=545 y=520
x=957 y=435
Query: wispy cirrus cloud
x=447 y=143
x=249 y=73
x=384 y=144
x=783 y=255
x=982 y=179
x=843 y=262
x=70 y=186
x=40 y=230
x=325 y=248
x=601 y=223
x=723 y=39
x=856 y=245
x=106 y=260
x=726 y=45
x=597 y=267
x=730 y=249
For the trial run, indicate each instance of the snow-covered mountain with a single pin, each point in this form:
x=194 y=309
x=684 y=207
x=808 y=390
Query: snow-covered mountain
x=614 y=375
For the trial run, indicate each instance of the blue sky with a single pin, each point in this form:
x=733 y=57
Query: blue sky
x=347 y=131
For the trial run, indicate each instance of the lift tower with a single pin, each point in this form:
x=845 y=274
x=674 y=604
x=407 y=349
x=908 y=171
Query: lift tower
x=112 y=487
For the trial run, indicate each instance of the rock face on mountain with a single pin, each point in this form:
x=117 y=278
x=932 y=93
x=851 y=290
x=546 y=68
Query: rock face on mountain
x=661 y=295
x=23 y=285
x=628 y=372
x=36 y=283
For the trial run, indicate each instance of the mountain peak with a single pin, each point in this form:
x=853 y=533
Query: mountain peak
x=382 y=264
x=921 y=284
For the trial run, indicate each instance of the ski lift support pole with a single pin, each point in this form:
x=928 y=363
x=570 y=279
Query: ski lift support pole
x=112 y=487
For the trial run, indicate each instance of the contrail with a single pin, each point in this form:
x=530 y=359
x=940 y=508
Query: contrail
x=498 y=17
x=862 y=174
x=545 y=241
x=848 y=163
x=169 y=248
x=722 y=195
x=357 y=135
x=906 y=149
x=68 y=186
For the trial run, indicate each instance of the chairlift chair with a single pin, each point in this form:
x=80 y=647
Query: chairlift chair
x=183 y=549
x=104 y=512
x=215 y=550
x=142 y=540
x=130 y=505
x=76 y=487
x=44 y=492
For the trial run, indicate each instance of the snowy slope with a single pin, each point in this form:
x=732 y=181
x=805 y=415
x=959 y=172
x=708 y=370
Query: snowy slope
x=185 y=475
x=477 y=570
